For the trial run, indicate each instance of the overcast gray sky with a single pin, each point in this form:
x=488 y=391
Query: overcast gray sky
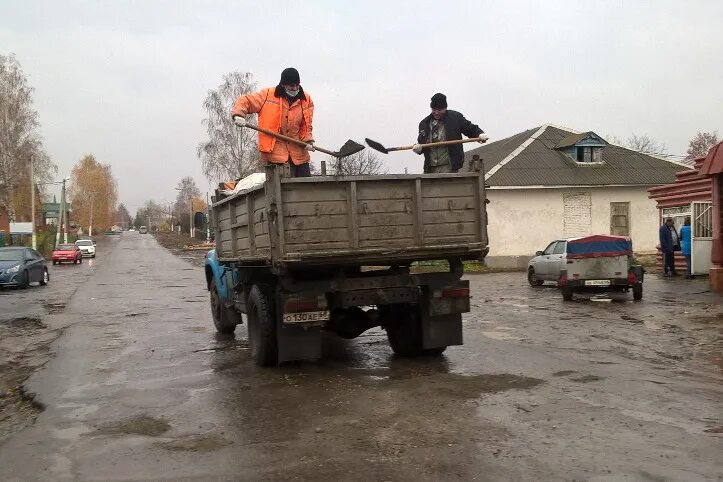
x=125 y=80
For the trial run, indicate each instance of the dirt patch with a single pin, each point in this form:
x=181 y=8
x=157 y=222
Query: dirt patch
x=25 y=323
x=563 y=373
x=53 y=308
x=196 y=443
x=178 y=245
x=138 y=425
x=587 y=379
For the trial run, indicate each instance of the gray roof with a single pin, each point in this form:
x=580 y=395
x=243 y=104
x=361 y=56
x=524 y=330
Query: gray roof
x=538 y=163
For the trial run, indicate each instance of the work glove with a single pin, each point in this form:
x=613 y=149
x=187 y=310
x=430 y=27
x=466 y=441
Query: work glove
x=240 y=121
x=417 y=148
x=483 y=138
x=310 y=147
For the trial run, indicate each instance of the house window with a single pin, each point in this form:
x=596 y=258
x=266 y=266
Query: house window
x=589 y=154
x=580 y=151
x=596 y=154
x=620 y=218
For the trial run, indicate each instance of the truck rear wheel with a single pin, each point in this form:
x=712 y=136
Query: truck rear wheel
x=638 y=291
x=261 y=316
x=224 y=319
x=404 y=331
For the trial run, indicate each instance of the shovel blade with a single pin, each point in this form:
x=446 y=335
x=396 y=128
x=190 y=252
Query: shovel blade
x=376 y=146
x=350 y=147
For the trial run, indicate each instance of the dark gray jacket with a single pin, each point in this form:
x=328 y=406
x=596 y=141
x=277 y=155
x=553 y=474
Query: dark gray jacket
x=454 y=126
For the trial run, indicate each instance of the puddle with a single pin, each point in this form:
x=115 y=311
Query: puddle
x=563 y=373
x=196 y=443
x=138 y=425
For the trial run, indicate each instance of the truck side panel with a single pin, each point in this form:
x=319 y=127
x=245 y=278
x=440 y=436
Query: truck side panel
x=338 y=217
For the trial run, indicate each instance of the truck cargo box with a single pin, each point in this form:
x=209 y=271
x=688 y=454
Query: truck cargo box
x=353 y=220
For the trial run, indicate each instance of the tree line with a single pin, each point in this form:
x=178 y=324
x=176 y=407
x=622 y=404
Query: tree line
x=92 y=191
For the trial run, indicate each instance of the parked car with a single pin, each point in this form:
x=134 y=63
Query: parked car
x=597 y=263
x=67 y=253
x=87 y=247
x=143 y=230
x=21 y=266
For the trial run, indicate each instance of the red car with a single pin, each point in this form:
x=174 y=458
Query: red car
x=67 y=253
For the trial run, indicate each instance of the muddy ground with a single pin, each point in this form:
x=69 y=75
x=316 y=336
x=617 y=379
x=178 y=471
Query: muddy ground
x=140 y=387
x=25 y=337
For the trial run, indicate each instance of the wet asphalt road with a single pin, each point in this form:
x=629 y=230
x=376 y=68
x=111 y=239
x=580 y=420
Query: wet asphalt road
x=141 y=388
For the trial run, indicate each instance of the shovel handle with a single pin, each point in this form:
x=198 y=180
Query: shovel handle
x=288 y=139
x=435 y=144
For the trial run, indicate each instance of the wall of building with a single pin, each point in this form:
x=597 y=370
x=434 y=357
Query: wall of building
x=522 y=221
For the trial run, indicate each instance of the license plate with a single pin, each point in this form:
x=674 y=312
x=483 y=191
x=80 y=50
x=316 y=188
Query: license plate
x=306 y=317
x=597 y=282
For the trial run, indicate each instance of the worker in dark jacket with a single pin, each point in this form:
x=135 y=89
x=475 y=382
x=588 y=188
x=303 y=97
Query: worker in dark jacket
x=444 y=125
x=669 y=240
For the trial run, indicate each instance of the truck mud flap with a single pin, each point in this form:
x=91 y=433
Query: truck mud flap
x=298 y=342
x=443 y=330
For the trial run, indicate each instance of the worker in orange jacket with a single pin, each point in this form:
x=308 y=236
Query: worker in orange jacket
x=288 y=110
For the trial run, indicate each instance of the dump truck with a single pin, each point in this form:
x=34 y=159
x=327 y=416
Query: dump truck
x=303 y=256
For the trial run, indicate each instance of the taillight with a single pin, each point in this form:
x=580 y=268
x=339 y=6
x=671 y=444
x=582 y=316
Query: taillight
x=300 y=305
x=632 y=278
x=562 y=281
x=455 y=293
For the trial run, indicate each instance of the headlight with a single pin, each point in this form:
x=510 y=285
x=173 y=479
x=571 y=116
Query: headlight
x=14 y=269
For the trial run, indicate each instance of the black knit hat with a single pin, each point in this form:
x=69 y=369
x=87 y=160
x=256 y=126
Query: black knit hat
x=439 y=101
x=290 y=76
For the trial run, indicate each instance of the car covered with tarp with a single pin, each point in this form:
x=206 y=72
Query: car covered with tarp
x=600 y=263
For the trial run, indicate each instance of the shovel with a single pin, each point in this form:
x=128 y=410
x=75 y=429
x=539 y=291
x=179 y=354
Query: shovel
x=386 y=150
x=350 y=147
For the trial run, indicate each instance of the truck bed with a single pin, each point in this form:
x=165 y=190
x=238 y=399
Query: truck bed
x=354 y=220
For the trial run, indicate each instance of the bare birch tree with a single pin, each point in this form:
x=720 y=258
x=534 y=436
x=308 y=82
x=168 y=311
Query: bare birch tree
x=19 y=138
x=229 y=153
x=646 y=145
x=700 y=145
x=363 y=162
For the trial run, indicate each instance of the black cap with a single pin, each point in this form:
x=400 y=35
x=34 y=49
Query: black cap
x=439 y=101
x=290 y=76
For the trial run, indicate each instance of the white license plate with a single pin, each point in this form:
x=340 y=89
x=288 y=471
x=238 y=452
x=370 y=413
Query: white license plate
x=306 y=317
x=597 y=282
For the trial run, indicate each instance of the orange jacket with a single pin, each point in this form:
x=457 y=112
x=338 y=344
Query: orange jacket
x=276 y=115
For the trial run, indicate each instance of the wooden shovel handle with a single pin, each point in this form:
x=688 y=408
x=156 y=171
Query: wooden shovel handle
x=287 y=138
x=435 y=144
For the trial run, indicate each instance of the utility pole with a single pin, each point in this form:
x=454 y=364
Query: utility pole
x=190 y=215
x=61 y=217
x=208 y=224
x=32 y=203
x=90 y=228
x=66 y=221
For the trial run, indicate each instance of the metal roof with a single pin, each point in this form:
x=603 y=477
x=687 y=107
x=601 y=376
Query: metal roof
x=530 y=158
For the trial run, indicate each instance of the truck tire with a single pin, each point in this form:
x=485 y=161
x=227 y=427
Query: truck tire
x=532 y=279
x=261 y=315
x=404 y=332
x=638 y=291
x=566 y=294
x=224 y=319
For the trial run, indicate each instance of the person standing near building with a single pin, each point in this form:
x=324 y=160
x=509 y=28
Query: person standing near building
x=288 y=110
x=444 y=125
x=686 y=245
x=669 y=240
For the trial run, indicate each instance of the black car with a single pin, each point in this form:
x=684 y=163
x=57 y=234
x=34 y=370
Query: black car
x=22 y=266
